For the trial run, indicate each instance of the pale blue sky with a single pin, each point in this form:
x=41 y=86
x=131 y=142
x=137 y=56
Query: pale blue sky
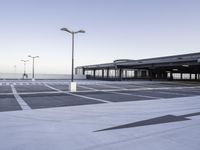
x=115 y=29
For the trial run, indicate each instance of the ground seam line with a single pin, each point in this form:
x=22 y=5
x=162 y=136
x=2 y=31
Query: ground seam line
x=135 y=95
x=88 y=88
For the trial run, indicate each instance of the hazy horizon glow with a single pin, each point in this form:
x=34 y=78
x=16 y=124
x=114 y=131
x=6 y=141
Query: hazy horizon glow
x=115 y=29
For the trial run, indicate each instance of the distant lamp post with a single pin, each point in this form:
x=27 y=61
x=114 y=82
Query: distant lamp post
x=15 y=69
x=24 y=75
x=33 y=66
x=72 y=84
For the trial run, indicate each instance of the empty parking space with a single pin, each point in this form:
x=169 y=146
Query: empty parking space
x=8 y=103
x=113 y=97
x=100 y=86
x=54 y=94
x=32 y=88
x=126 y=86
x=5 y=89
x=155 y=93
x=60 y=87
x=55 y=100
x=186 y=91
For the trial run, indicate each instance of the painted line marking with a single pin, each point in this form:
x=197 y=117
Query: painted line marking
x=55 y=89
x=86 y=97
x=77 y=95
x=21 y=102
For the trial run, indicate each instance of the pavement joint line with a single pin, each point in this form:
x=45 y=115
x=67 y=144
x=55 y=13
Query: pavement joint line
x=45 y=92
x=19 y=99
x=193 y=91
x=77 y=95
x=6 y=93
x=165 y=92
x=110 y=86
x=88 y=88
x=128 y=94
x=30 y=93
x=140 y=89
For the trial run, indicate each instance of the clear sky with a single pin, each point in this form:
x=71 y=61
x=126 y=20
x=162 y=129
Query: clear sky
x=129 y=29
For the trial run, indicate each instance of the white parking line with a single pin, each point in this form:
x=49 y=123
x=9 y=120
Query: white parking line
x=86 y=97
x=21 y=102
x=55 y=89
x=77 y=95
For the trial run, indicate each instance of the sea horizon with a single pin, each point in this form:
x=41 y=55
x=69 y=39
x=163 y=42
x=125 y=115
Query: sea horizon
x=39 y=76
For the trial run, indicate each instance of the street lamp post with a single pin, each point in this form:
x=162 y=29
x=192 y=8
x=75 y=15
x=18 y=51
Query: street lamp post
x=33 y=68
x=72 y=84
x=25 y=75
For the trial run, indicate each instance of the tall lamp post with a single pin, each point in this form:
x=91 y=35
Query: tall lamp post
x=25 y=75
x=33 y=66
x=72 y=84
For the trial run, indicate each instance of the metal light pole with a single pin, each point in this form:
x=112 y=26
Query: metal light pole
x=25 y=61
x=15 y=69
x=73 y=84
x=33 y=66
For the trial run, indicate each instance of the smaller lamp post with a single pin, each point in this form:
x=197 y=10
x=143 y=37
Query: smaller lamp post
x=33 y=66
x=24 y=75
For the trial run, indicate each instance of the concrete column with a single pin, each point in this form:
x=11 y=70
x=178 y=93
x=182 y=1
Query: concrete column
x=195 y=76
x=108 y=73
x=136 y=73
x=94 y=73
x=150 y=74
x=83 y=71
x=102 y=73
x=76 y=71
x=171 y=75
x=120 y=73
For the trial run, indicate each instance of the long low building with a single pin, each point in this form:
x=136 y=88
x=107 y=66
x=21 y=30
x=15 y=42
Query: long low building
x=177 y=67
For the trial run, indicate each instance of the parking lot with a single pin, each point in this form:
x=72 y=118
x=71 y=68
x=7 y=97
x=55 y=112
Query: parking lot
x=23 y=95
x=104 y=115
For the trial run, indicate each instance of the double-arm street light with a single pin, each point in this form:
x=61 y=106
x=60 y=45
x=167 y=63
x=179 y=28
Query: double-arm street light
x=25 y=75
x=33 y=68
x=72 y=85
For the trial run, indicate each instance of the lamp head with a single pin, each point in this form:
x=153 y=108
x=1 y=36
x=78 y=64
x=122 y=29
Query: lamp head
x=65 y=29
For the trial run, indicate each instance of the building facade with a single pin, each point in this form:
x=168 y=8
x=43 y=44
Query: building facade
x=178 y=67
